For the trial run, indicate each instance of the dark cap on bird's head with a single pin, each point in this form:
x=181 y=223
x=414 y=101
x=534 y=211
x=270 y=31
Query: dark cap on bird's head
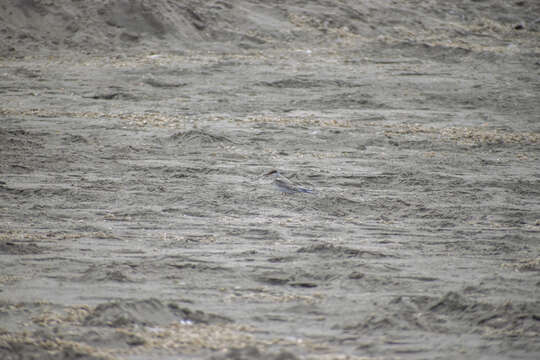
x=272 y=172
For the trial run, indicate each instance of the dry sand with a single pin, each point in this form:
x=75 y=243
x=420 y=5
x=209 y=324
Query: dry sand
x=134 y=223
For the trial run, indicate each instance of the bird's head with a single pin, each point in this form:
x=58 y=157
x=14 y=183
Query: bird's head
x=272 y=173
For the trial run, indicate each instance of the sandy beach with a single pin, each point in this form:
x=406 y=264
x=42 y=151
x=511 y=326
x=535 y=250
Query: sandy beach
x=135 y=222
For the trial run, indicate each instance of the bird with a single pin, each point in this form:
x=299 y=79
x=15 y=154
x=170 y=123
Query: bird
x=285 y=185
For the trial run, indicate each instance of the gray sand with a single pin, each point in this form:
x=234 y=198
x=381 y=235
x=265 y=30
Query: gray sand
x=134 y=222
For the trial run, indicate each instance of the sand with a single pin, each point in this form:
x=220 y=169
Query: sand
x=135 y=224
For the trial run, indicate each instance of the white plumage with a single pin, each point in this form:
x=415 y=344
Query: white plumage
x=285 y=185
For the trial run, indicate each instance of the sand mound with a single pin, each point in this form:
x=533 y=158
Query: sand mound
x=97 y=26
x=104 y=25
x=146 y=312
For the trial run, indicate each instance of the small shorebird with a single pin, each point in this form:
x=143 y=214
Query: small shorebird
x=285 y=185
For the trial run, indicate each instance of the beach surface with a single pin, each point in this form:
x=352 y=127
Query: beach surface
x=135 y=222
